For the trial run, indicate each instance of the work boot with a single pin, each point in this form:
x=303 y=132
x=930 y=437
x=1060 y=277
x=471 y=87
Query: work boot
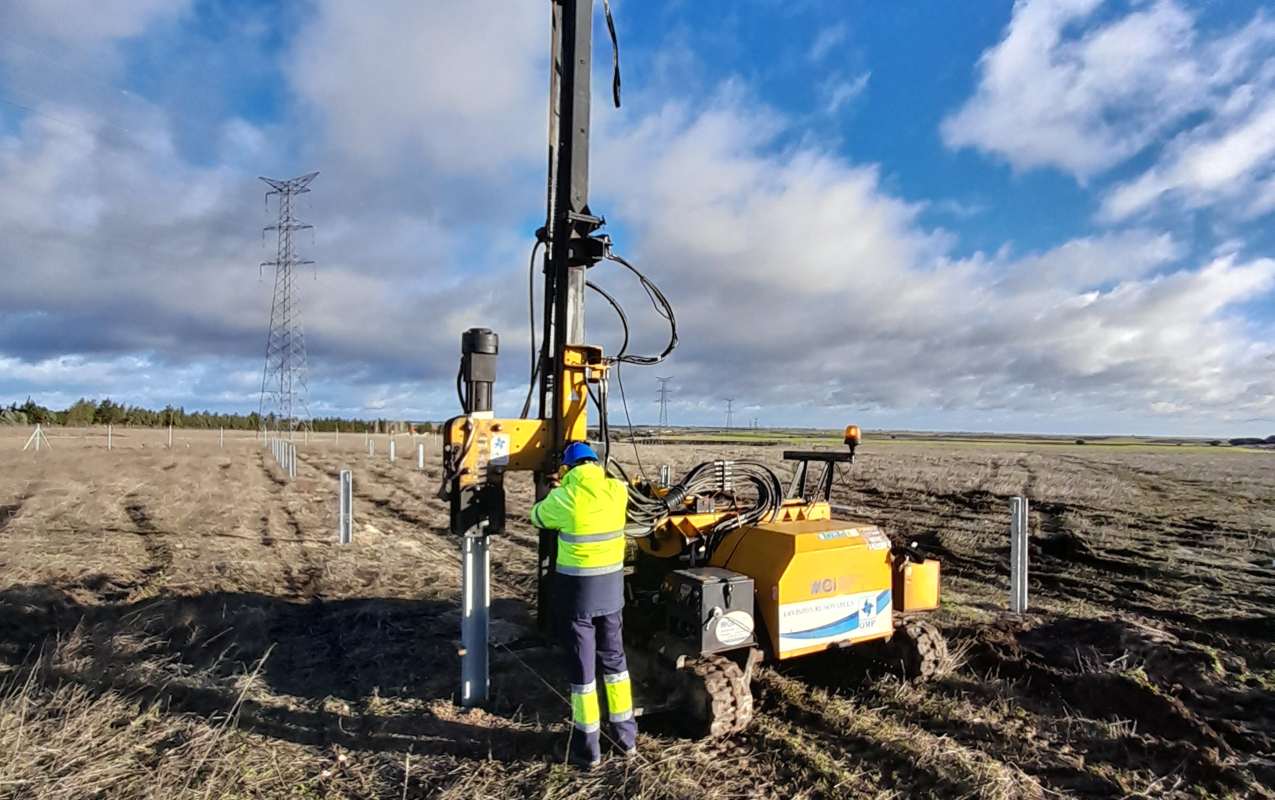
x=585 y=758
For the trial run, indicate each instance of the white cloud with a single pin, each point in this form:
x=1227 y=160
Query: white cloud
x=828 y=39
x=83 y=22
x=460 y=86
x=799 y=280
x=1083 y=92
x=839 y=90
x=1231 y=160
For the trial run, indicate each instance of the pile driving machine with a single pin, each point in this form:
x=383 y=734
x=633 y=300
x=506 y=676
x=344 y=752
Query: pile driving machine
x=728 y=565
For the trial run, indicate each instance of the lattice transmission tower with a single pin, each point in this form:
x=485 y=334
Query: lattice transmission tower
x=285 y=403
x=664 y=393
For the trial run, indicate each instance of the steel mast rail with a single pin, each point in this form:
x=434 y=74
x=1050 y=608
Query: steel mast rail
x=478 y=448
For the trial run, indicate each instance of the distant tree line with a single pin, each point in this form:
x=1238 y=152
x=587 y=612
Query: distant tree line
x=1251 y=441
x=85 y=412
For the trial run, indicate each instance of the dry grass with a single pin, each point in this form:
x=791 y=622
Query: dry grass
x=180 y=623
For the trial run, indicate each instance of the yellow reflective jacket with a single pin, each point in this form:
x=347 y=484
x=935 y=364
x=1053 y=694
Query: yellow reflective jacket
x=588 y=510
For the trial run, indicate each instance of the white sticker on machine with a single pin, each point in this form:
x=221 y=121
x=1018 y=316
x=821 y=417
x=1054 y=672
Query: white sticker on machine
x=734 y=627
x=876 y=539
x=499 y=449
x=834 y=619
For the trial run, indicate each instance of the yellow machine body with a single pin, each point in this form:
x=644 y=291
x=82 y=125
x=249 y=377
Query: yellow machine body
x=475 y=444
x=819 y=583
x=916 y=585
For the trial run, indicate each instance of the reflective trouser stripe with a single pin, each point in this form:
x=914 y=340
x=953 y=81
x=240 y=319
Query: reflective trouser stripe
x=586 y=571
x=619 y=696
x=585 y=714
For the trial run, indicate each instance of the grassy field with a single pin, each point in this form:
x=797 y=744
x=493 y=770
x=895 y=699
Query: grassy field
x=181 y=624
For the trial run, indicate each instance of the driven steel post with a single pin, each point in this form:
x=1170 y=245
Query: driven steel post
x=345 y=525
x=1018 y=547
x=479 y=348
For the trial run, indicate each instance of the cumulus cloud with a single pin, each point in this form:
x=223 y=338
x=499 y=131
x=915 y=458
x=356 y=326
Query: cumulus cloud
x=128 y=251
x=801 y=281
x=82 y=22
x=1082 y=91
x=459 y=86
x=1229 y=161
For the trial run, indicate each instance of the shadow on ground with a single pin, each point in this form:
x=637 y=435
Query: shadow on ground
x=373 y=674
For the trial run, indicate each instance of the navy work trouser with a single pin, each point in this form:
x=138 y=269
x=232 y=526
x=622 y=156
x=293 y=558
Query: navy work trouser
x=592 y=642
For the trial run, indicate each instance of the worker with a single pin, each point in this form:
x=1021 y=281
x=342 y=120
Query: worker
x=588 y=511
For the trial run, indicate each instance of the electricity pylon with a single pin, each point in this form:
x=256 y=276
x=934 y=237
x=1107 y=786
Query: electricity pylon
x=284 y=381
x=663 y=401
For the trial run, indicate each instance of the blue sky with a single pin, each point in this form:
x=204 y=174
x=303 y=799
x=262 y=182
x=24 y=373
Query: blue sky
x=1042 y=216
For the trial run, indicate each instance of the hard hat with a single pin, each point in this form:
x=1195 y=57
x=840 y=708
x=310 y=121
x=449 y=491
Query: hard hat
x=577 y=452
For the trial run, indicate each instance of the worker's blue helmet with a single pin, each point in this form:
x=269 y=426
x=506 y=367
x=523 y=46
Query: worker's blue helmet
x=577 y=452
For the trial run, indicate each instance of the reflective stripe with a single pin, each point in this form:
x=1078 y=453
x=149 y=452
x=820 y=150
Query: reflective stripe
x=585 y=713
x=580 y=538
x=583 y=688
x=619 y=696
x=586 y=571
x=590 y=727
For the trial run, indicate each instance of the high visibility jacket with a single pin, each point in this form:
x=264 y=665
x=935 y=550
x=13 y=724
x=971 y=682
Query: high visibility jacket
x=588 y=511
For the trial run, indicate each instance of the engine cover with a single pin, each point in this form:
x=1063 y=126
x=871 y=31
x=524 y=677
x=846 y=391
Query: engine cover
x=820 y=583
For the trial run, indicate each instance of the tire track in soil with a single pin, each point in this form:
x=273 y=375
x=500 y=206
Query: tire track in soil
x=1006 y=741
x=11 y=510
x=305 y=581
x=317 y=626
x=447 y=545
x=300 y=583
x=159 y=553
x=269 y=473
x=267 y=540
x=513 y=534
x=938 y=765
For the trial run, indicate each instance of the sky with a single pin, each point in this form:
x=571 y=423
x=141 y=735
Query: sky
x=1037 y=216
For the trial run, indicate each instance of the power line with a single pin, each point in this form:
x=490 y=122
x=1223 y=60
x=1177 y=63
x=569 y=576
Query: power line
x=284 y=381
x=664 y=393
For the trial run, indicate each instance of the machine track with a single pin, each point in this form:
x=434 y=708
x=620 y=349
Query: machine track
x=721 y=700
x=920 y=647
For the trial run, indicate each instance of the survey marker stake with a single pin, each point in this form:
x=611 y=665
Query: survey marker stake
x=37 y=436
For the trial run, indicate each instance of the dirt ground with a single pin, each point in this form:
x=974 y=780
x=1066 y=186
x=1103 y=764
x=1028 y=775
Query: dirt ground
x=181 y=623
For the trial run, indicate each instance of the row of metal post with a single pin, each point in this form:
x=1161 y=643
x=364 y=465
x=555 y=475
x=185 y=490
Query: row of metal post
x=38 y=437
x=285 y=455
x=421 y=452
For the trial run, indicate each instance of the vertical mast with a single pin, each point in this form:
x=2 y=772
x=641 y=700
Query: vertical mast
x=568 y=225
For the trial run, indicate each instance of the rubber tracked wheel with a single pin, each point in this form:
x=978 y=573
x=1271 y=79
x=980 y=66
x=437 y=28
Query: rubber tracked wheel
x=921 y=649
x=720 y=700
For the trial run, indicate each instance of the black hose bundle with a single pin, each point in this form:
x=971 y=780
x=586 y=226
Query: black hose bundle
x=647 y=509
x=662 y=307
